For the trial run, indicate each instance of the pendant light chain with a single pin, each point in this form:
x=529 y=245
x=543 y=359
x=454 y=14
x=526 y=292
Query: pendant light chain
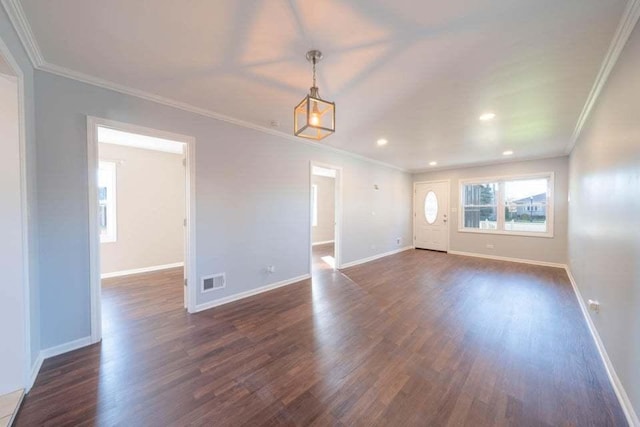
x=314 y=71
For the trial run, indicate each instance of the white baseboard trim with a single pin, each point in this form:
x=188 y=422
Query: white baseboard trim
x=141 y=270
x=246 y=294
x=66 y=347
x=54 y=351
x=503 y=258
x=35 y=369
x=623 y=398
x=375 y=257
x=326 y=242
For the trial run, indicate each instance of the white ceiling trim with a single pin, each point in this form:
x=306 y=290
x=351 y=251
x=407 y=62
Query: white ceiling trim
x=105 y=84
x=18 y=19
x=487 y=163
x=627 y=23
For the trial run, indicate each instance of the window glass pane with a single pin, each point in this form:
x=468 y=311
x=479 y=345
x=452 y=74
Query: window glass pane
x=526 y=205
x=482 y=218
x=480 y=206
x=431 y=207
x=481 y=194
x=103 y=218
x=106 y=201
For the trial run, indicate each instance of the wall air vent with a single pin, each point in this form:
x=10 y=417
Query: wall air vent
x=213 y=282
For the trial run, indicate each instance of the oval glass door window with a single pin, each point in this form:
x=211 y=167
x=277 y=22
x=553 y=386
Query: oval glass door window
x=431 y=207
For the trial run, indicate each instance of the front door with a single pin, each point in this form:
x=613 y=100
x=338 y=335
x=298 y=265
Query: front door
x=431 y=221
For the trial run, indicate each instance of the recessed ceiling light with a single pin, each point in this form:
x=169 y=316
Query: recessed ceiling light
x=507 y=153
x=382 y=142
x=487 y=116
x=433 y=163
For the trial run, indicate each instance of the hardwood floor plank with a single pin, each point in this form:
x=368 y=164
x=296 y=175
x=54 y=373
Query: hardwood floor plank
x=417 y=338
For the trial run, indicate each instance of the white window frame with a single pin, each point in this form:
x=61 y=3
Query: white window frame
x=500 y=180
x=112 y=224
x=314 y=205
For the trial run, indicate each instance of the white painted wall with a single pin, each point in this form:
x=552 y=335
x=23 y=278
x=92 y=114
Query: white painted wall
x=12 y=302
x=252 y=200
x=604 y=217
x=150 y=192
x=553 y=250
x=325 y=230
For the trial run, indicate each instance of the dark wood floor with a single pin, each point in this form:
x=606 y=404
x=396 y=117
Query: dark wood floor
x=320 y=265
x=417 y=338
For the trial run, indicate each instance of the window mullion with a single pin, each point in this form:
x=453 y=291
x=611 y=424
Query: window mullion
x=500 y=208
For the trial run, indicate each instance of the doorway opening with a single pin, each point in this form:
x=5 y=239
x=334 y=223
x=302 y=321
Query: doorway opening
x=141 y=209
x=15 y=320
x=326 y=208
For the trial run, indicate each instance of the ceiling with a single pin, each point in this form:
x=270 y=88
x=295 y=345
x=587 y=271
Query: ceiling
x=417 y=73
x=5 y=68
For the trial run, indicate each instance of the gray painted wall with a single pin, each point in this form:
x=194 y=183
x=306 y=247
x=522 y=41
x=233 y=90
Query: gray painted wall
x=252 y=200
x=10 y=38
x=604 y=216
x=531 y=248
x=325 y=230
x=150 y=193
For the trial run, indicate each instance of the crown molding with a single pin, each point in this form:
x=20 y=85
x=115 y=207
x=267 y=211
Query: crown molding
x=18 y=19
x=487 y=163
x=23 y=29
x=105 y=84
x=625 y=27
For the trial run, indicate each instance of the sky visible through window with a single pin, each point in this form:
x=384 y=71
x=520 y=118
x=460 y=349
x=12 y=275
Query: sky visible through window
x=516 y=190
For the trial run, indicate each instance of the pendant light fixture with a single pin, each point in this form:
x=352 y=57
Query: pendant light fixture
x=313 y=117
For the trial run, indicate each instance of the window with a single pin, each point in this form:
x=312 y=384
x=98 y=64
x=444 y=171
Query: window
x=314 y=205
x=107 y=201
x=480 y=206
x=431 y=207
x=520 y=205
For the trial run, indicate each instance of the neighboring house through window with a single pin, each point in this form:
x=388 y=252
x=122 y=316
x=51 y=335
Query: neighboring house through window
x=107 y=201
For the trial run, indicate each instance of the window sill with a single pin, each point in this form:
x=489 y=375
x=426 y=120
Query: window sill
x=547 y=235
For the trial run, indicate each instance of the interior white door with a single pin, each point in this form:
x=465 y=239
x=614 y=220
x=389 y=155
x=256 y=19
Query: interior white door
x=431 y=220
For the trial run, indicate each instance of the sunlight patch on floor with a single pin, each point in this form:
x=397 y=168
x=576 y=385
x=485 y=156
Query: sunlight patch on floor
x=329 y=260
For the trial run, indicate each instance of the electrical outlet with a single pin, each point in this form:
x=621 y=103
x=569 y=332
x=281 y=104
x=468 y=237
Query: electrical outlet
x=594 y=305
x=489 y=245
x=398 y=241
x=271 y=269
